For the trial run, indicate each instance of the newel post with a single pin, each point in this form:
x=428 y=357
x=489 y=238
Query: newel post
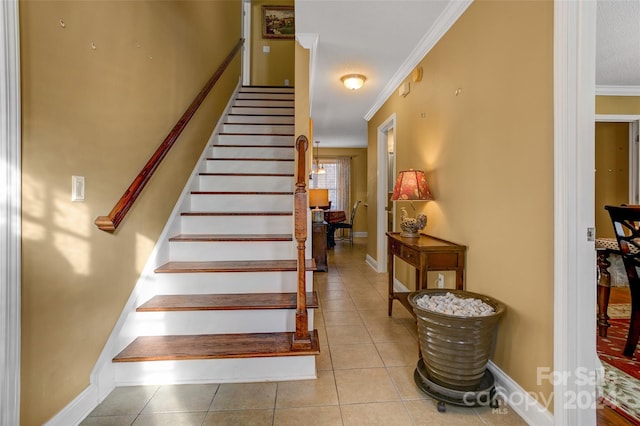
x=301 y=339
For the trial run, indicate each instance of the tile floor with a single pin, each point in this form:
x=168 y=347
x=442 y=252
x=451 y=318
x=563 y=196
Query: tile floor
x=365 y=371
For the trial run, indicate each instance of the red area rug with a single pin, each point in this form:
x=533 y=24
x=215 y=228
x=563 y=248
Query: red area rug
x=610 y=348
x=621 y=384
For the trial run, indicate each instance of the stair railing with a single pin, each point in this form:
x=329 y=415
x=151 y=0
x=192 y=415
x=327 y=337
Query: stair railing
x=301 y=338
x=111 y=222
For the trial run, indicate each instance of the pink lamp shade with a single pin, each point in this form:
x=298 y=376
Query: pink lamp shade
x=411 y=185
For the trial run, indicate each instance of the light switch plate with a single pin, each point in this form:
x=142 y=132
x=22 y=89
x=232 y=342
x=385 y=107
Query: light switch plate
x=77 y=188
x=266 y=49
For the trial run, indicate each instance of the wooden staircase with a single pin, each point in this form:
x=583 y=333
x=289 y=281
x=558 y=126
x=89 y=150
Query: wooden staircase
x=222 y=307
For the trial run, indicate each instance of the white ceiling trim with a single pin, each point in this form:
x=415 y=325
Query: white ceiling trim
x=618 y=90
x=447 y=18
x=310 y=41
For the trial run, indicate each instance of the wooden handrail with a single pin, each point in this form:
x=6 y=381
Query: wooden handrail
x=112 y=221
x=301 y=338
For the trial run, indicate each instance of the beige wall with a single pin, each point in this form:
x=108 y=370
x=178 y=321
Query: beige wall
x=358 y=184
x=611 y=173
x=480 y=123
x=100 y=113
x=273 y=68
x=617 y=104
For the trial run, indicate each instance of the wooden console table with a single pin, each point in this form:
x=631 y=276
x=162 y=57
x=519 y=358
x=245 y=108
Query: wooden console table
x=319 y=245
x=425 y=253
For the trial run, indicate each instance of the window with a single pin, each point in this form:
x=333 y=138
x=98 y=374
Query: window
x=336 y=180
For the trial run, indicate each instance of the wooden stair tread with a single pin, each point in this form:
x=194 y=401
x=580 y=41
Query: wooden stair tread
x=241 y=192
x=232 y=237
x=249 y=159
x=255 y=134
x=225 y=302
x=246 y=174
x=288 y=146
x=214 y=346
x=287 y=265
x=236 y=213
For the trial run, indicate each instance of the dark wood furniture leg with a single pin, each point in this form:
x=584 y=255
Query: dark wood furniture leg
x=604 y=289
x=634 y=323
x=391 y=274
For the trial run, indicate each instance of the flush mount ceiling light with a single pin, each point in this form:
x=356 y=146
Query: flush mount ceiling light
x=353 y=81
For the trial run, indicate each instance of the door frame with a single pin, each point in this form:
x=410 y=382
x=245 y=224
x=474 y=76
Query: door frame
x=382 y=173
x=10 y=205
x=246 y=50
x=574 y=351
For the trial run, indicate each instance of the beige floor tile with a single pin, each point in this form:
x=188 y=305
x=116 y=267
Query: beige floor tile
x=370 y=302
x=125 y=400
x=377 y=413
x=397 y=354
x=242 y=417
x=170 y=419
x=424 y=412
x=502 y=416
x=389 y=332
x=333 y=294
x=125 y=420
x=338 y=305
x=365 y=385
x=347 y=334
x=364 y=355
x=376 y=316
x=403 y=379
x=323 y=361
x=244 y=396
x=303 y=393
x=342 y=318
x=308 y=416
x=181 y=398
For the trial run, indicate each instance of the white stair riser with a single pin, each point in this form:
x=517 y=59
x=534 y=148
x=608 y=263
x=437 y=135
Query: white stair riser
x=262 y=110
x=252 y=152
x=231 y=250
x=281 y=96
x=228 y=282
x=216 y=322
x=240 y=166
x=264 y=129
x=242 y=203
x=267 y=89
x=246 y=183
x=237 y=224
x=264 y=119
x=263 y=103
x=215 y=371
x=264 y=140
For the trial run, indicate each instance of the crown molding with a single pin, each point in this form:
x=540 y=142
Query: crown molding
x=447 y=18
x=310 y=41
x=618 y=90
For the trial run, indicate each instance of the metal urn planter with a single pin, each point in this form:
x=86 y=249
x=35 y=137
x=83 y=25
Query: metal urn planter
x=455 y=350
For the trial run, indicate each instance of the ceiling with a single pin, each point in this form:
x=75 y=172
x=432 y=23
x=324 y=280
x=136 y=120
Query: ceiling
x=386 y=39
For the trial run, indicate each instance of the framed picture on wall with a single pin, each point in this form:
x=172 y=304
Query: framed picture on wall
x=278 y=22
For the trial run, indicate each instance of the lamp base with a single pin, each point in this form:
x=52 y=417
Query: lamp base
x=411 y=227
x=409 y=234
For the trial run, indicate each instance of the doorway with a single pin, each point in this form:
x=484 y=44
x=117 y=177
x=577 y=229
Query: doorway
x=385 y=215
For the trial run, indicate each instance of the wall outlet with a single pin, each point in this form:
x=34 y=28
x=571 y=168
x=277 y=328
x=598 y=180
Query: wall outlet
x=440 y=281
x=266 y=49
x=286 y=81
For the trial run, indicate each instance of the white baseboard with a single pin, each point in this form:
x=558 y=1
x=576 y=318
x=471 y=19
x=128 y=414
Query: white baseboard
x=371 y=262
x=521 y=401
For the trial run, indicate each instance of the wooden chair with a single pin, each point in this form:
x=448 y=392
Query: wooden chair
x=349 y=225
x=626 y=224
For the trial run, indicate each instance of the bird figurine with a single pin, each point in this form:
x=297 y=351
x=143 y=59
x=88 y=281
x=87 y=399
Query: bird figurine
x=411 y=226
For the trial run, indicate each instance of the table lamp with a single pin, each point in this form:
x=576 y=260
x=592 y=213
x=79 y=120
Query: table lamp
x=411 y=185
x=317 y=198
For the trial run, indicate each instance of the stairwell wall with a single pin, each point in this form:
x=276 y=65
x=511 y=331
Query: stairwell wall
x=102 y=85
